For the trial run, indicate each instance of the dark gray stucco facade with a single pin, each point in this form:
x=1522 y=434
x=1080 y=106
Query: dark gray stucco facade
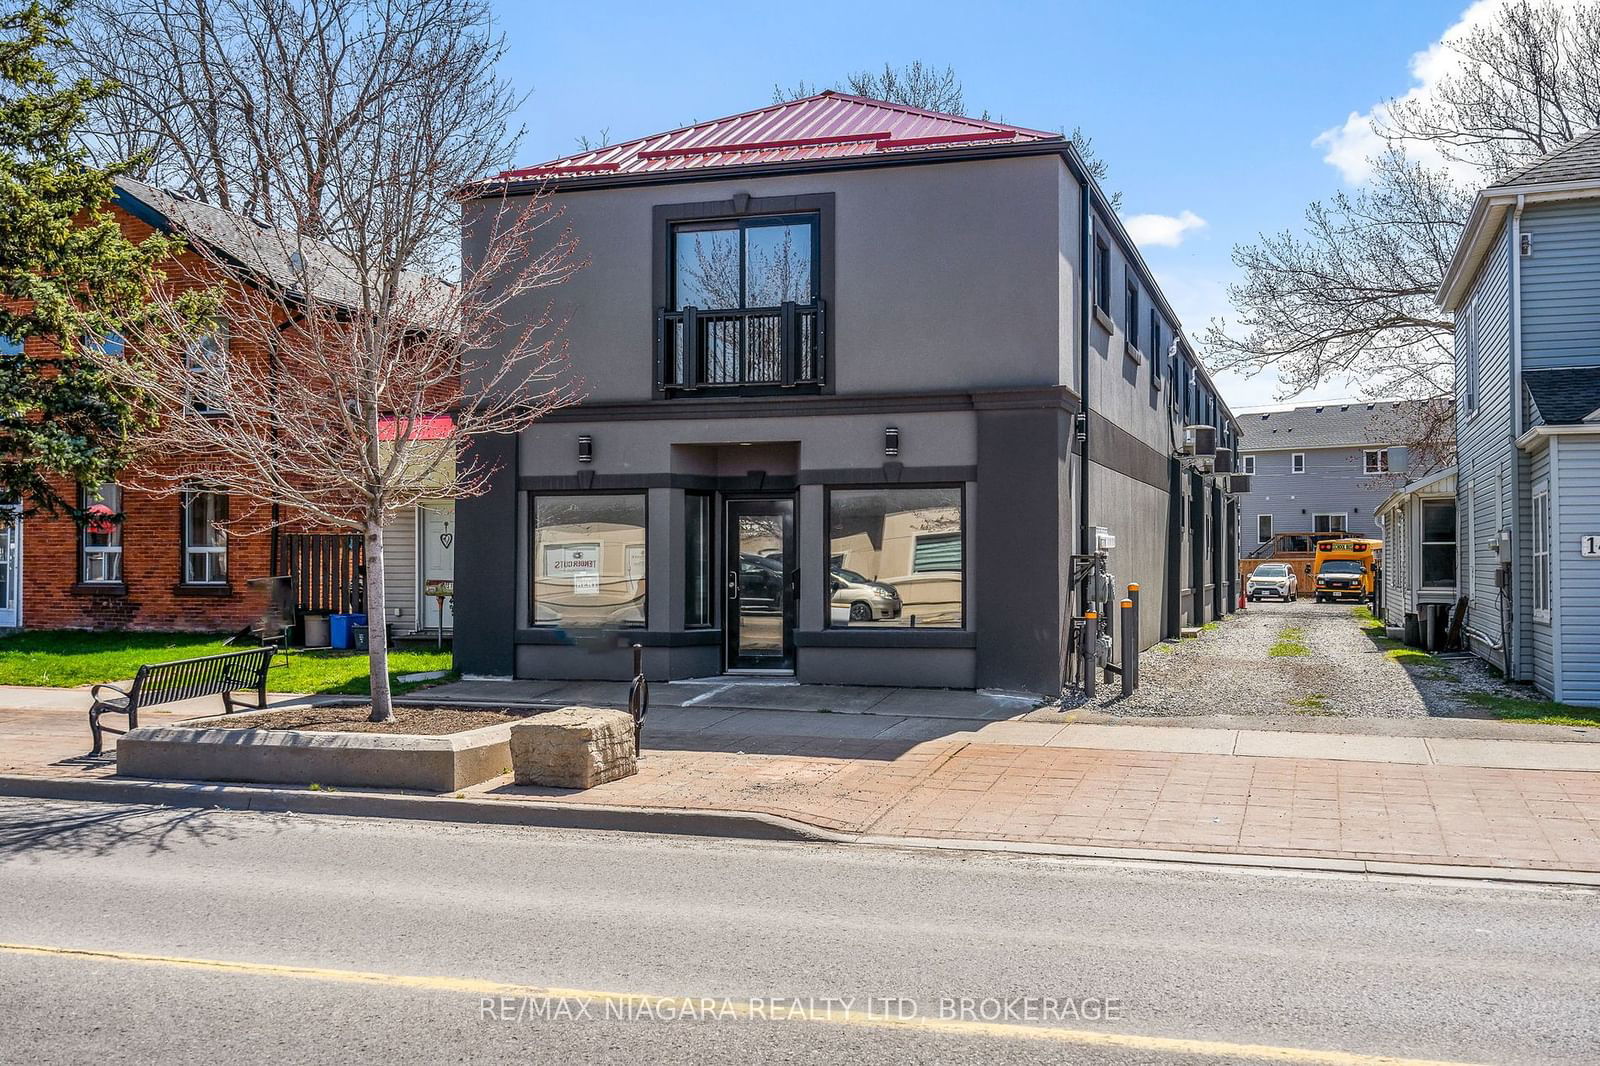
x=957 y=318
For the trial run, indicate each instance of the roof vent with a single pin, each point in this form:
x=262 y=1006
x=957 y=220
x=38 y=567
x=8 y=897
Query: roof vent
x=1371 y=406
x=1319 y=408
x=1344 y=407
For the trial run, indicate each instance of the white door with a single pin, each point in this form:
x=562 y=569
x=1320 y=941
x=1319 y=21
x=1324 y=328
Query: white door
x=10 y=565
x=436 y=525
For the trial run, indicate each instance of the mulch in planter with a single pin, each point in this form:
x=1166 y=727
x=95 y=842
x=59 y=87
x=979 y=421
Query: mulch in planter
x=411 y=721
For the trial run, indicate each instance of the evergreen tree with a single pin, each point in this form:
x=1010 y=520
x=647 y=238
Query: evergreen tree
x=68 y=276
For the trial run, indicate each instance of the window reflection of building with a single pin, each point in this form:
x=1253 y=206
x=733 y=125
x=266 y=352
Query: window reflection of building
x=897 y=557
x=589 y=561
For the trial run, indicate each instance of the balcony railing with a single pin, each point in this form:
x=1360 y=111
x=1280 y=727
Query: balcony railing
x=762 y=347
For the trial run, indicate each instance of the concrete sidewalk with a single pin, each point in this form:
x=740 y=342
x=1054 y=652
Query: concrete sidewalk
x=1312 y=798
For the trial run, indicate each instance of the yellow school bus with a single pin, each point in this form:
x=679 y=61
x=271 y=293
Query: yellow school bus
x=1346 y=568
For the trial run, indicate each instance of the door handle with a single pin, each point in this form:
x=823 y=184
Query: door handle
x=733 y=586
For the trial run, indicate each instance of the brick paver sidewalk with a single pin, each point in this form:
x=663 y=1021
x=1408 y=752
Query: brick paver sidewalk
x=955 y=787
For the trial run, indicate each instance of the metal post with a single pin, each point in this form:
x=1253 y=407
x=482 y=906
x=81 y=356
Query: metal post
x=1091 y=648
x=1130 y=653
x=638 y=698
x=1131 y=665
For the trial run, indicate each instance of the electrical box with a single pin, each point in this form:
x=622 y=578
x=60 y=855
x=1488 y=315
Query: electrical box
x=1104 y=539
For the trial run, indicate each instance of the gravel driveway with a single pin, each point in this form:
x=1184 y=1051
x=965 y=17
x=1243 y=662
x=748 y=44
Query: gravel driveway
x=1326 y=665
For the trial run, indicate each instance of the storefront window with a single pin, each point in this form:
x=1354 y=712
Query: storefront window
x=897 y=557
x=697 y=568
x=589 y=561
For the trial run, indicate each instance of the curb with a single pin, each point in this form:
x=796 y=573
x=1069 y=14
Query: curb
x=741 y=825
x=736 y=825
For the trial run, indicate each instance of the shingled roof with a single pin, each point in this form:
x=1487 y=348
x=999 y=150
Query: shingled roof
x=263 y=250
x=1576 y=160
x=1565 y=397
x=829 y=125
x=1329 y=425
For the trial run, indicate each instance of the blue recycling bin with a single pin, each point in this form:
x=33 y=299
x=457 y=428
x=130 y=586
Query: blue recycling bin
x=339 y=627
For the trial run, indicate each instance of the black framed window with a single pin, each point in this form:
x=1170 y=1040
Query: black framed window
x=1133 y=312
x=699 y=562
x=1102 y=275
x=746 y=263
x=205 y=538
x=100 y=541
x=1157 y=356
x=897 y=557
x=589 y=559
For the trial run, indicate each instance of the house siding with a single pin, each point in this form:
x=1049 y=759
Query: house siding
x=1483 y=438
x=1576 y=579
x=1334 y=482
x=1561 y=286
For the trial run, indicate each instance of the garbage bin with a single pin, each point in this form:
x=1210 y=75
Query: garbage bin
x=316 y=630
x=358 y=637
x=340 y=626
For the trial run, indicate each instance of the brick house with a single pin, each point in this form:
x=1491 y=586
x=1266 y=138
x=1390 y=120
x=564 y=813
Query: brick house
x=174 y=561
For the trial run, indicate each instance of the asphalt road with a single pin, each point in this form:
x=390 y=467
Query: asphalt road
x=134 y=934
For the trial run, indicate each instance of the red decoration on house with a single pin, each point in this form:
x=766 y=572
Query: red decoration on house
x=102 y=519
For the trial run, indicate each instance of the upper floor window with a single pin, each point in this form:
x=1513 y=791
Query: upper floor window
x=1467 y=358
x=1297 y=463
x=1102 y=276
x=1376 y=460
x=207 y=362
x=1248 y=465
x=1157 y=365
x=1133 y=313
x=9 y=345
x=743 y=305
x=205 y=544
x=100 y=543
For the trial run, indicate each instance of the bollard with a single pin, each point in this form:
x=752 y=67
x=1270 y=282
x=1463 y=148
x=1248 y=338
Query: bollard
x=638 y=698
x=1129 y=648
x=1091 y=647
x=1132 y=666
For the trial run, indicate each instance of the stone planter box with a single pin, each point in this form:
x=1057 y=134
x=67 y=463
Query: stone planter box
x=230 y=751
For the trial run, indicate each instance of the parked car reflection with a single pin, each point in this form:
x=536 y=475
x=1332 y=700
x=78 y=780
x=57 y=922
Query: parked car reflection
x=858 y=599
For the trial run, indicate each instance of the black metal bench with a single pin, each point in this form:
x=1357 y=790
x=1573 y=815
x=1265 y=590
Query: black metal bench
x=184 y=679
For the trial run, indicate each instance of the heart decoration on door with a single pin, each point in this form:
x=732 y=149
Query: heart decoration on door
x=447 y=539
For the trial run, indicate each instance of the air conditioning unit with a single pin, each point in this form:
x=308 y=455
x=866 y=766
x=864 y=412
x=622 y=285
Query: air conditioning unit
x=1199 y=440
x=1222 y=462
x=1238 y=483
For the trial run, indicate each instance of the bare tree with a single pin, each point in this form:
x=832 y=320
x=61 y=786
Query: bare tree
x=1351 y=296
x=921 y=85
x=352 y=382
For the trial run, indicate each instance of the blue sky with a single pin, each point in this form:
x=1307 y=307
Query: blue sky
x=1209 y=108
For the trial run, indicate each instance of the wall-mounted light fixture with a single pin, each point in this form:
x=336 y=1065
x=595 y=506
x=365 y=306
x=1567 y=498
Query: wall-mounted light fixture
x=585 y=448
x=891 y=441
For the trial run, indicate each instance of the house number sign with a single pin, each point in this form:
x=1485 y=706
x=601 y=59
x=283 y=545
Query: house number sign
x=1590 y=546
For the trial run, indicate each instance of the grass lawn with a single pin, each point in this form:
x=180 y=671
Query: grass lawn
x=1399 y=651
x=1291 y=642
x=65 y=659
x=1538 y=712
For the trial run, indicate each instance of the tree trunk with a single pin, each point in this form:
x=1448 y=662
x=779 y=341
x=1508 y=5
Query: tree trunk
x=377 y=628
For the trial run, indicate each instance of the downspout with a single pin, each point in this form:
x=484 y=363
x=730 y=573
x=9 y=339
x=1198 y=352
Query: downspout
x=1085 y=265
x=1513 y=645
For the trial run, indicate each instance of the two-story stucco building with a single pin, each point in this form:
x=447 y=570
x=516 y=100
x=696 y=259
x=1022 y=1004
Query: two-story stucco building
x=859 y=381
x=1321 y=468
x=1525 y=289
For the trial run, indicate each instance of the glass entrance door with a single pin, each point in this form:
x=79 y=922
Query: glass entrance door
x=761 y=583
x=10 y=564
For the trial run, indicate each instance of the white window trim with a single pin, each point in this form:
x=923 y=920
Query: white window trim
x=1247 y=464
x=103 y=552
x=1375 y=460
x=193 y=552
x=202 y=392
x=1260 y=518
x=1297 y=462
x=1542 y=569
x=1423 y=543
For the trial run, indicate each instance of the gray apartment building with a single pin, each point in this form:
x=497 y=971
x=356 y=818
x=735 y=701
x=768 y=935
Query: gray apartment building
x=1321 y=468
x=860 y=381
x=1524 y=286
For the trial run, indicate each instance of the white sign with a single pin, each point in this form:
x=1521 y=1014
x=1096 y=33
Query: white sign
x=579 y=562
x=1590 y=546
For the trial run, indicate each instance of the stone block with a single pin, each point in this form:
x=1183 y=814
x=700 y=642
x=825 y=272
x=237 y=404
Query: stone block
x=575 y=747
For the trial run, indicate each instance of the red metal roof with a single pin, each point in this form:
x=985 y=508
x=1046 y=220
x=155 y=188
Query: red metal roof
x=829 y=125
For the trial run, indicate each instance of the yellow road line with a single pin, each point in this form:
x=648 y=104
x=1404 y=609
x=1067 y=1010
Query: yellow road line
x=662 y=1004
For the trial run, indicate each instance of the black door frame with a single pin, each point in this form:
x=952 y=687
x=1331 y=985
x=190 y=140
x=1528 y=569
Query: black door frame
x=731 y=504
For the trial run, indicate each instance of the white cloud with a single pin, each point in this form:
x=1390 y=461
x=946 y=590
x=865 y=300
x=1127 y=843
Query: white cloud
x=1350 y=146
x=1165 y=231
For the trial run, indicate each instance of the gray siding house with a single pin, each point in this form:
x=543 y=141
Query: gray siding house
x=859 y=380
x=1525 y=289
x=1321 y=468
